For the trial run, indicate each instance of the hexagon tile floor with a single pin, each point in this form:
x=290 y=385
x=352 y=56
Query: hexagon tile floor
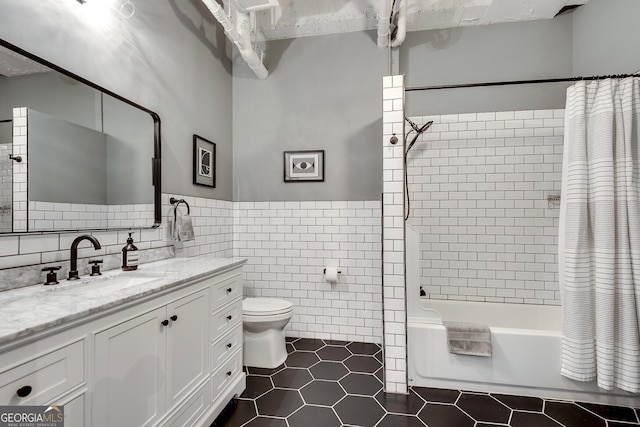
x=327 y=383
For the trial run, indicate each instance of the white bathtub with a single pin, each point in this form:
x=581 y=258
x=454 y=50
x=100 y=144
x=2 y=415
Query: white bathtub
x=526 y=356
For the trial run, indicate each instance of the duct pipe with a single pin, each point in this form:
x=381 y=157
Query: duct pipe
x=402 y=25
x=247 y=51
x=384 y=24
x=241 y=40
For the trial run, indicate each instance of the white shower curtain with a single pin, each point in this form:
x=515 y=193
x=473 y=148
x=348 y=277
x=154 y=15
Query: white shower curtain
x=599 y=235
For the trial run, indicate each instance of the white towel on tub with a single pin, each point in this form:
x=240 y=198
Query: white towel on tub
x=469 y=338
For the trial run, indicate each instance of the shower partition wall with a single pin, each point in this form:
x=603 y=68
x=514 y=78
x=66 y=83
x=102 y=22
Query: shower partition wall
x=6 y=181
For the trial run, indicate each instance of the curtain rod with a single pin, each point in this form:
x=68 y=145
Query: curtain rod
x=519 y=82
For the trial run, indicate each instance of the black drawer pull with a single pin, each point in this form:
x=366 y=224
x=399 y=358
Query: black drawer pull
x=229 y=373
x=229 y=290
x=24 y=391
x=229 y=317
x=174 y=317
x=165 y=322
x=229 y=345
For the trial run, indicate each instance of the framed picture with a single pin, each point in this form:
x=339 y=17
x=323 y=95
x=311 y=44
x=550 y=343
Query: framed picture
x=304 y=166
x=204 y=162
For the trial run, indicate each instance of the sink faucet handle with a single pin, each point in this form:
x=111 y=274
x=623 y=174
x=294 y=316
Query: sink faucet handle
x=95 y=267
x=52 y=277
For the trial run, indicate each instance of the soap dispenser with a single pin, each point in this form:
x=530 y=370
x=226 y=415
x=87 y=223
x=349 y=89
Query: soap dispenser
x=130 y=255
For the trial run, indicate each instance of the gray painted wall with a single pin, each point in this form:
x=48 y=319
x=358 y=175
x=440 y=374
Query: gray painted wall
x=606 y=37
x=129 y=132
x=323 y=93
x=65 y=99
x=67 y=162
x=171 y=57
x=515 y=51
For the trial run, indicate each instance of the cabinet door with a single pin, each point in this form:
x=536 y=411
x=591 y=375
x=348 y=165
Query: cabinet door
x=74 y=412
x=187 y=345
x=129 y=372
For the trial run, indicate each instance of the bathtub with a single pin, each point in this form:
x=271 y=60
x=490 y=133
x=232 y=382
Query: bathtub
x=527 y=345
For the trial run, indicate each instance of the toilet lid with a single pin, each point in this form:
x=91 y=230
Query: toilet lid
x=265 y=306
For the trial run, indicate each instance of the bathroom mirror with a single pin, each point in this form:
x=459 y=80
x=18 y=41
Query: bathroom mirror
x=73 y=155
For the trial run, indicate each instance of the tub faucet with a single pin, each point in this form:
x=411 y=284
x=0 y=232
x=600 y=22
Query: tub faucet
x=73 y=271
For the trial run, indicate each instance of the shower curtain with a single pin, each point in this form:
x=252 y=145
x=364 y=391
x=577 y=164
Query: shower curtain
x=599 y=234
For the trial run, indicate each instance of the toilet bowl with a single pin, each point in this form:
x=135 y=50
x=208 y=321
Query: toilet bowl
x=263 y=322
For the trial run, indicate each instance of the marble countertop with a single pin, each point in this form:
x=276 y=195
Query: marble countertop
x=31 y=309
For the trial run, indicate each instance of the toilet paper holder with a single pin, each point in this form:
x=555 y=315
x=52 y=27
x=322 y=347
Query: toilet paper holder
x=324 y=271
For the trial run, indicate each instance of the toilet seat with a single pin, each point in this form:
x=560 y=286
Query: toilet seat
x=265 y=306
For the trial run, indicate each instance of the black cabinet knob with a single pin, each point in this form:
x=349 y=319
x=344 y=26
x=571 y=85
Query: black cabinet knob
x=229 y=373
x=165 y=322
x=174 y=317
x=24 y=391
x=229 y=317
x=229 y=290
x=229 y=345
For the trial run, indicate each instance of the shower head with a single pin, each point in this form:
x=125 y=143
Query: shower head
x=425 y=126
x=419 y=131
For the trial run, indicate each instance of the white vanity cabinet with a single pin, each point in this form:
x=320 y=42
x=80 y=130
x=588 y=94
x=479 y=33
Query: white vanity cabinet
x=49 y=372
x=147 y=364
x=168 y=359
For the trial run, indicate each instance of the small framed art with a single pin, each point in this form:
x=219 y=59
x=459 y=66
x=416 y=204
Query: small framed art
x=304 y=166
x=204 y=162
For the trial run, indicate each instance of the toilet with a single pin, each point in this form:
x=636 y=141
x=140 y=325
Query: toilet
x=263 y=321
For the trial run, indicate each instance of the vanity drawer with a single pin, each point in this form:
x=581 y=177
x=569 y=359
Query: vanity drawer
x=226 y=291
x=223 y=320
x=227 y=373
x=226 y=345
x=47 y=376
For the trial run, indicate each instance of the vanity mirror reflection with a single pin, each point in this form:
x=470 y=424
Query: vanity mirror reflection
x=73 y=155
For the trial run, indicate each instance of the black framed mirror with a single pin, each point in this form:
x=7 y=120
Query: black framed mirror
x=73 y=155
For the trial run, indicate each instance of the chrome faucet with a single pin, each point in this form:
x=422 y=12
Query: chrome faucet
x=73 y=271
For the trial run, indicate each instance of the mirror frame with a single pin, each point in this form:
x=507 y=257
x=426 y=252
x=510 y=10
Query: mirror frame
x=156 y=164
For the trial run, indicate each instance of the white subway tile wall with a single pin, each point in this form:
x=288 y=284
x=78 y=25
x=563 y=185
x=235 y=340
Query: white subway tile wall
x=394 y=303
x=479 y=185
x=212 y=225
x=69 y=216
x=20 y=254
x=6 y=186
x=288 y=244
x=20 y=169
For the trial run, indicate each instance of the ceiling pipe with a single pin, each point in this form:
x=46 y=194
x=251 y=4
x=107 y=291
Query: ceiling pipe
x=247 y=51
x=402 y=25
x=384 y=22
x=242 y=38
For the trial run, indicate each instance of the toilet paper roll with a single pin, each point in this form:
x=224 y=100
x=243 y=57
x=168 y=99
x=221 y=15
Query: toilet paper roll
x=331 y=274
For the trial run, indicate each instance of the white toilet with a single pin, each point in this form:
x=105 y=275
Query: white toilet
x=263 y=321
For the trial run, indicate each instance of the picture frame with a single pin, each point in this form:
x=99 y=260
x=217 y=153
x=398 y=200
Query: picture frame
x=304 y=166
x=204 y=162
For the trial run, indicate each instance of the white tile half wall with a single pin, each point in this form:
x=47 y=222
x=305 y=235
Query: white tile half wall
x=212 y=226
x=22 y=256
x=393 y=265
x=288 y=244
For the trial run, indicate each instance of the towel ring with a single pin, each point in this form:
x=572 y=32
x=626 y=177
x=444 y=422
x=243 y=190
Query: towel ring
x=177 y=202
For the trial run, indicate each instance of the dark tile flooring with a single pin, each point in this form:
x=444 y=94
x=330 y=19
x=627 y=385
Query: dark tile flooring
x=327 y=383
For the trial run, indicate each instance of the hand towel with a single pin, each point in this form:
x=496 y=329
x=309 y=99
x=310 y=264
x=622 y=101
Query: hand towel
x=182 y=227
x=469 y=339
